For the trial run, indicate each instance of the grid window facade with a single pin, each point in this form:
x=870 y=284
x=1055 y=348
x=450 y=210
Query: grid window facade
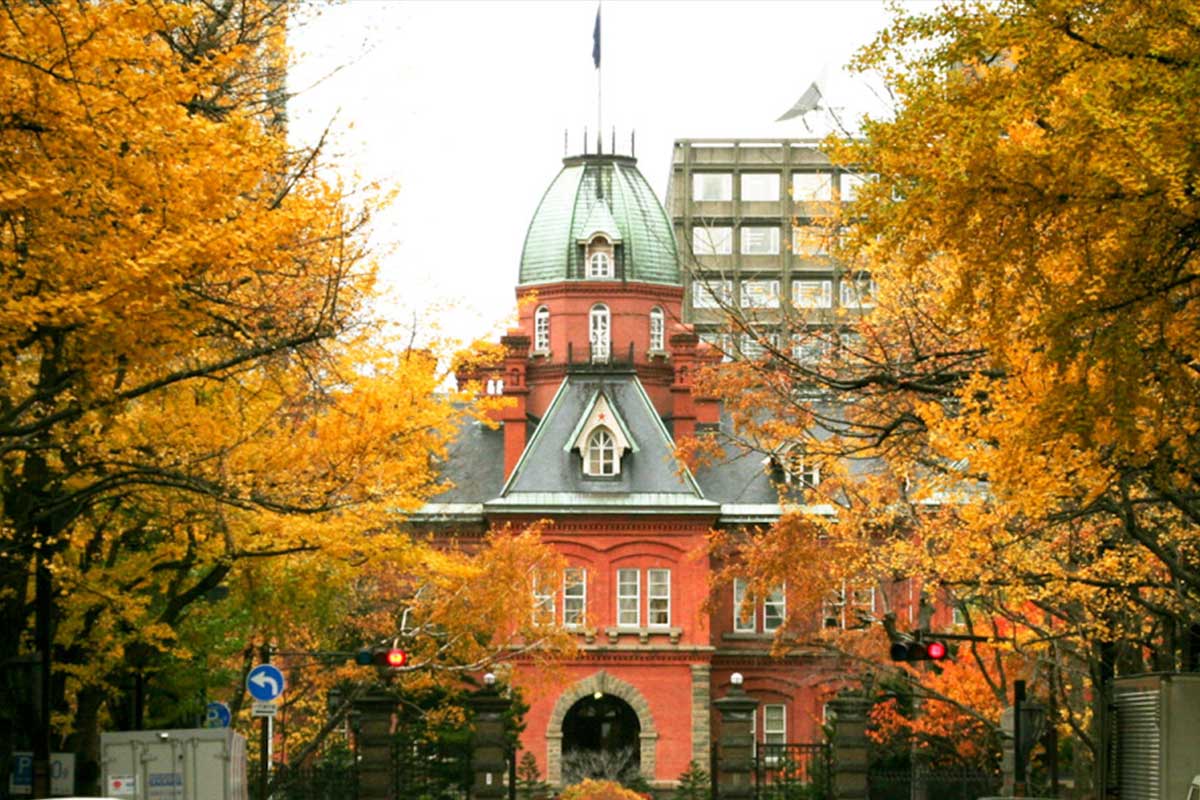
x=809 y=187
x=712 y=294
x=712 y=240
x=810 y=240
x=712 y=186
x=760 y=187
x=812 y=294
x=760 y=240
x=760 y=294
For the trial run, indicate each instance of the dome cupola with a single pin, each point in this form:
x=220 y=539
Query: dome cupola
x=599 y=220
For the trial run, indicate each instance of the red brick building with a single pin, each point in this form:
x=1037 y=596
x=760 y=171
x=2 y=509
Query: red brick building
x=599 y=370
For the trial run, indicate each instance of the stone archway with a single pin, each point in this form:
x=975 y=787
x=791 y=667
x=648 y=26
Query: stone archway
x=600 y=682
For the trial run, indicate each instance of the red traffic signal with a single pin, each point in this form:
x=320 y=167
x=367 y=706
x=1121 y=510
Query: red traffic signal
x=384 y=657
x=918 y=651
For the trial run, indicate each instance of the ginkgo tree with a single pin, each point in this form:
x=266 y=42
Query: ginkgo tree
x=194 y=391
x=1023 y=400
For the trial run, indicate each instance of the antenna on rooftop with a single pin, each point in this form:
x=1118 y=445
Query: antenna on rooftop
x=632 y=140
x=585 y=140
x=564 y=142
x=614 y=140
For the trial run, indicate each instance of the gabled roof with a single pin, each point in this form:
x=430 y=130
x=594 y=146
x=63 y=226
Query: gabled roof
x=550 y=472
x=599 y=220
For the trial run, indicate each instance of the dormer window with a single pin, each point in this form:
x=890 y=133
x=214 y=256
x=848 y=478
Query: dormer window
x=601 y=457
x=601 y=439
x=600 y=266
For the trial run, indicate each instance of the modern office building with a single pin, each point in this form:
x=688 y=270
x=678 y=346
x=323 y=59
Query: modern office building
x=754 y=226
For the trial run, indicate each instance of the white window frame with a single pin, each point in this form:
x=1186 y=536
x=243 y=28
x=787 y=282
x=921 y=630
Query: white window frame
x=780 y=729
x=824 y=286
x=712 y=294
x=543 y=606
x=812 y=186
x=653 y=597
x=852 y=293
x=600 y=457
x=658 y=330
x=779 y=605
x=600 y=265
x=809 y=350
x=712 y=240
x=600 y=332
x=747 y=624
x=760 y=293
x=833 y=609
x=772 y=240
x=705 y=180
x=574 y=604
x=541 y=330
x=763 y=179
x=636 y=597
x=851 y=181
x=750 y=347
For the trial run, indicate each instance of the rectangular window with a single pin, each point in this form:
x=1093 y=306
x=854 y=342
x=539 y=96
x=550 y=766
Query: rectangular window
x=628 y=598
x=760 y=294
x=858 y=293
x=774 y=609
x=719 y=342
x=712 y=186
x=808 y=350
x=543 y=606
x=658 y=596
x=541 y=331
x=812 y=294
x=712 y=241
x=760 y=187
x=810 y=474
x=809 y=187
x=743 y=612
x=774 y=724
x=760 y=241
x=755 y=345
x=851 y=185
x=574 y=596
x=810 y=240
x=657 y=332
x=712 y=294
x=832 y=610
x=862 y=606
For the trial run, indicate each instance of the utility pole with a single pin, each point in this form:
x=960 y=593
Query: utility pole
x=264 y=749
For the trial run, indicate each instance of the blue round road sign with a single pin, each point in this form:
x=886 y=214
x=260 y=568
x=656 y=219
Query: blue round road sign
x=216 y=715
x=265 y=682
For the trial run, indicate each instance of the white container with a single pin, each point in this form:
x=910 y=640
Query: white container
x=191 y=764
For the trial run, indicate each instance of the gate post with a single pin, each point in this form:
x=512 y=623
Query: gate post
x=849 y=747
x=488 y=750
x=734 y=776
x=375 y=713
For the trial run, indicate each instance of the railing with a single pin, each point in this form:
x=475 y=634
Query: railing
x=600 y=355
x=794 y=771
x=944 y=783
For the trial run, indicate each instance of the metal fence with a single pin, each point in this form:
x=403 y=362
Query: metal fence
x=328 y=780
x=944 y=784
x=796 y=771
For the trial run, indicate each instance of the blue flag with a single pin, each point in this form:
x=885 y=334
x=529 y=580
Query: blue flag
x=596 y=40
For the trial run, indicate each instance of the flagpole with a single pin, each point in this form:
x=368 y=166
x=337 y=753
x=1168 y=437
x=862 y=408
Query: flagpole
x=599 y=72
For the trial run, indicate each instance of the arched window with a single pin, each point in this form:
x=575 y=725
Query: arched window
x=601 y=456
x=599 y=332
x=541 y=330
x=657 y=330
x=600 y=266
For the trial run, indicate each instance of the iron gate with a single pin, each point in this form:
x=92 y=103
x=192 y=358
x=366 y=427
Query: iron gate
x=795 y=771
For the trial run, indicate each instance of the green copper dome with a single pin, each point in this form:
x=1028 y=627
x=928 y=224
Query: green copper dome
x=599 y=194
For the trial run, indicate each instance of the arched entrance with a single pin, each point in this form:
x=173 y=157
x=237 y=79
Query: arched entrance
x=607 y=685
x=601 y=739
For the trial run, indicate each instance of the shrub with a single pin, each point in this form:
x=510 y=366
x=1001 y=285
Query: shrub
x=599 y=790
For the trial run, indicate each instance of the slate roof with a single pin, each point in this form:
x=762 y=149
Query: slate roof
x=599 y=192
x=474 y=464
x=549 y=466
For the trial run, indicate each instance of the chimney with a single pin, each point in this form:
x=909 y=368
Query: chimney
x=516 y=355
x=683 y=356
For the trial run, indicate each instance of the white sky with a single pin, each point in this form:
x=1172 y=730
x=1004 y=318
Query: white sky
x=462 y=105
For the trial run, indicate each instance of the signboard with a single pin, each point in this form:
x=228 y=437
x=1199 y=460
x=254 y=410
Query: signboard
x=164 y=784
x=62 y=774
x=267 y=709
x=121 y=786
x=216 y=715
x=265 y=682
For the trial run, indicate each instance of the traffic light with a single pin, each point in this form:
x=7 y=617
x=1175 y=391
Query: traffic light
x=383 y=657
x=915 y=650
